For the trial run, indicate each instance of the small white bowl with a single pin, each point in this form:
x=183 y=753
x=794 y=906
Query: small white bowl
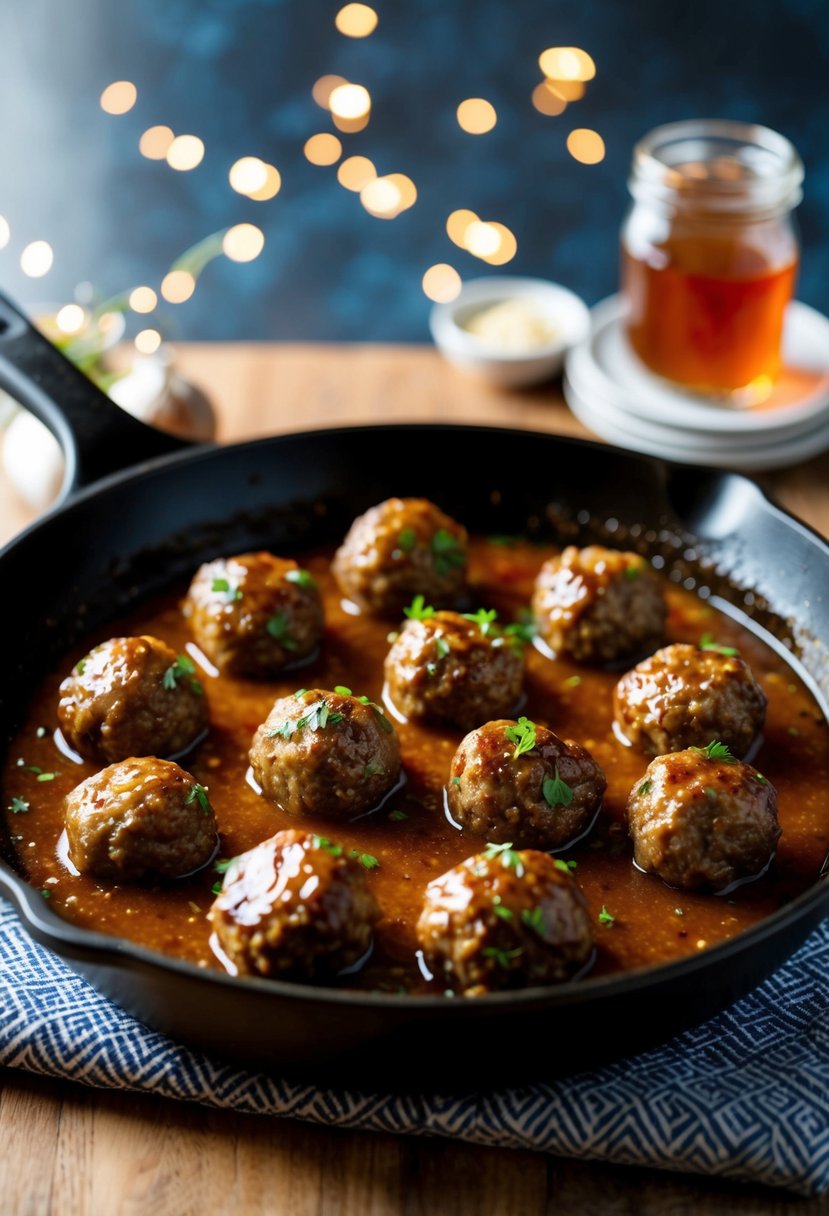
x=562 y=309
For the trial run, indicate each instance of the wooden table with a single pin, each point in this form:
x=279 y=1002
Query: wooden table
x=70 y=1150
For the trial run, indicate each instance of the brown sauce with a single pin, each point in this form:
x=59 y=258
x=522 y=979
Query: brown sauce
x=410 y=835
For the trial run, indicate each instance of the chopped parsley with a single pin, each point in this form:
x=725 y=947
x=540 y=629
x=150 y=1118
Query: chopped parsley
x=46 y=893
x=502 y=957
x=183 y=666
x=418 y=610
x=566 y=867
x=456 y=780
x=572 y=682
x=406 y=540
x=277 y=627
x=19 y=806
x=605 y=917
x=328 y=846
x=80 y=667
x=523 y=735
x=397 y=816
x=442 y=648
x=533 y=918
x=221 y=866
x=198 y=793
x=484 y=618
x=367 y=860
x=225 y=587
x=371 y=770
x=45 y=776
x=300 y=692
x=522 y=630
x=645 y=787
x=217 y=888
x=447 y=553
x=510 y=858
x=556 y=791
x=302 y=578
x=708 y=642
x=710 y=793
x=342 y=690
x=316 y=717
x=633 y=572
x=715 y=751
x=502 y=912
x=759 y=777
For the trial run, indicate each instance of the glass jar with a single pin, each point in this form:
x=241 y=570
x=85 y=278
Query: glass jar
x=710 y=254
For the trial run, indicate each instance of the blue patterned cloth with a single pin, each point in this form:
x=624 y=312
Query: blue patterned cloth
x=745 y=1096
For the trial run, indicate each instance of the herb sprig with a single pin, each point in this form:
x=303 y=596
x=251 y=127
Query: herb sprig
x=556 y=791
x=183 y=666
x=523 y=735
x=716 y=751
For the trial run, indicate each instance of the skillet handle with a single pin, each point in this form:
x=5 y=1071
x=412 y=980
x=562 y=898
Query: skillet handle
x=96 y=435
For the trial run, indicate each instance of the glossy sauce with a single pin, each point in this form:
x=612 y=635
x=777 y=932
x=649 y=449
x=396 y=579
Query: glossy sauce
x=410 y=835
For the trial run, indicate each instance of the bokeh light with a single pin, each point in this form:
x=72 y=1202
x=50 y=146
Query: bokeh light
x=155 y=142
x=441 y=283
x=324 y=87
x=70 y=319
x=323 y=149
x=185 y=152
x=119 y=97
x=381 y=198
x=349 y=101
x=566 y=90
x=178 y=286
x=567 y=63
x=5 y=232
x=36 y=259
x=476 y=116
x=457 y=224
x=243 y=242
x=350 y=126
x=482 y=239
x=356 y=20
x=148 y=341
x=270 y=187
x=247 y=174
x=356 y=172
x=406 y=187
x=547 y=101
x=586 y=146
x=142 y=299
x=507 y=245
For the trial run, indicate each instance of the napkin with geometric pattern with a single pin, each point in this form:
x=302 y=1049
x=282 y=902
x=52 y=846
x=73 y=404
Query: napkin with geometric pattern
x=745 y=1096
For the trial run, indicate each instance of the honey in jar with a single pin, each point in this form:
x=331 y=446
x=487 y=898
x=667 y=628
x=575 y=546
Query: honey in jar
x=710 y=254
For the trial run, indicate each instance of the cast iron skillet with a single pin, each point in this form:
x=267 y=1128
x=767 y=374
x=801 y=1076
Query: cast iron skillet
x=136 y=529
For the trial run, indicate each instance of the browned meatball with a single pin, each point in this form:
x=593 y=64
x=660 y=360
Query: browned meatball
x=700 y=819
x=140 y=819
x=295 y=907
x=518 y=781
x=598 y=605
x=504 y=919
x=685 y=697
x=401 y=548
x=326 y=753
x=132 y=697
x=446 y=668
x=255 y=613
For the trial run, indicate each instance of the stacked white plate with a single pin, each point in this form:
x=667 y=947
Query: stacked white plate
x=616 y=397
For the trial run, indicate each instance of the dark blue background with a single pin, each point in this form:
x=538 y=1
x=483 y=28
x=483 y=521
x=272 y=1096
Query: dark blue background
x=239 y=73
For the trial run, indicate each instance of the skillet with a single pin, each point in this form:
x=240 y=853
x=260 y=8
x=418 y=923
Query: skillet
x=140 y=510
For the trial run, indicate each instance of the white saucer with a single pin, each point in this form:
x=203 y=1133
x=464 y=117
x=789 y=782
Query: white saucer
x=615 y=395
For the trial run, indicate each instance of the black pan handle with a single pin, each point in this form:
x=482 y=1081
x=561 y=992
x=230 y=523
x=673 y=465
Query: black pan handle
x=97 y=436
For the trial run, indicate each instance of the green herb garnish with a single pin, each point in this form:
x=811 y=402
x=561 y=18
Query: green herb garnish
x=442 y=648
x=759 y=777
x=277 y=627
x=510 y=858
x=303 y=578
x=198 y=793
x=80 y=667
x=522 y=629
x=556 y=791
x=397 y=816
x=46 y=893
x=523 y=735
x=183 y=666
x=45 y=776
x=645 y=787
x=633 y=572
x=342 y=690
x=382 y=720
x=533 y=918
x=371 y=770
x=456 y=780
x=715 y=751
x=502 y=912
x=572 y=682
x=418 y=610
x=221 y=866
x=19 y=806
x=406 y=540
x=502 y=957
x=217 y=888
x=328 y=846
x=605 y=917
x=227 y=588
x=447 y=553
x=484 y=618
x=708 y=642
x=566 y=867
x=367 y=860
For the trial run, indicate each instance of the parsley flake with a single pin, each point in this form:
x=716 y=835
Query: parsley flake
x=198 y=793
x=406 y=539
x=277 y=627
x=19 y=806
x=367 y=860
x=759 y=777
x=317 y=717
x=533 y=918
x=522 y=630
x=556 y=791
x=46 y=893
x=45 y=776
x=217 y=888
x=566 y=867
x=708 y=642
x=397 y=816
x=523 y=735
x=80 y=667
x=442 y=648
x=456 y=780
x=221 y=866
x=225 y=587
x=502 y=912
x=447 y=553
x=302 y=578
x=382 y=720
x=328 y=846
x=715 y=751
x=371 y=770
x=633 y=572
x=418 y=610
x=510 y=858
x=502 y=957
x=183 y=666
x=484 y=618
x=342 y=690
x=645 y=787
x=605 y=917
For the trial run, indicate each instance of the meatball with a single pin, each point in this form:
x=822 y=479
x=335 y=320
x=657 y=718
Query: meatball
x=598 y=605
x=255 y=613
x=132 y=697
x=139 y=820
x=701 y=819
x=448 y=668
x=518 y=781
x=684 y=697
x=401 y=548
x=504 y=919
x=294 y=907
x=326 y=753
